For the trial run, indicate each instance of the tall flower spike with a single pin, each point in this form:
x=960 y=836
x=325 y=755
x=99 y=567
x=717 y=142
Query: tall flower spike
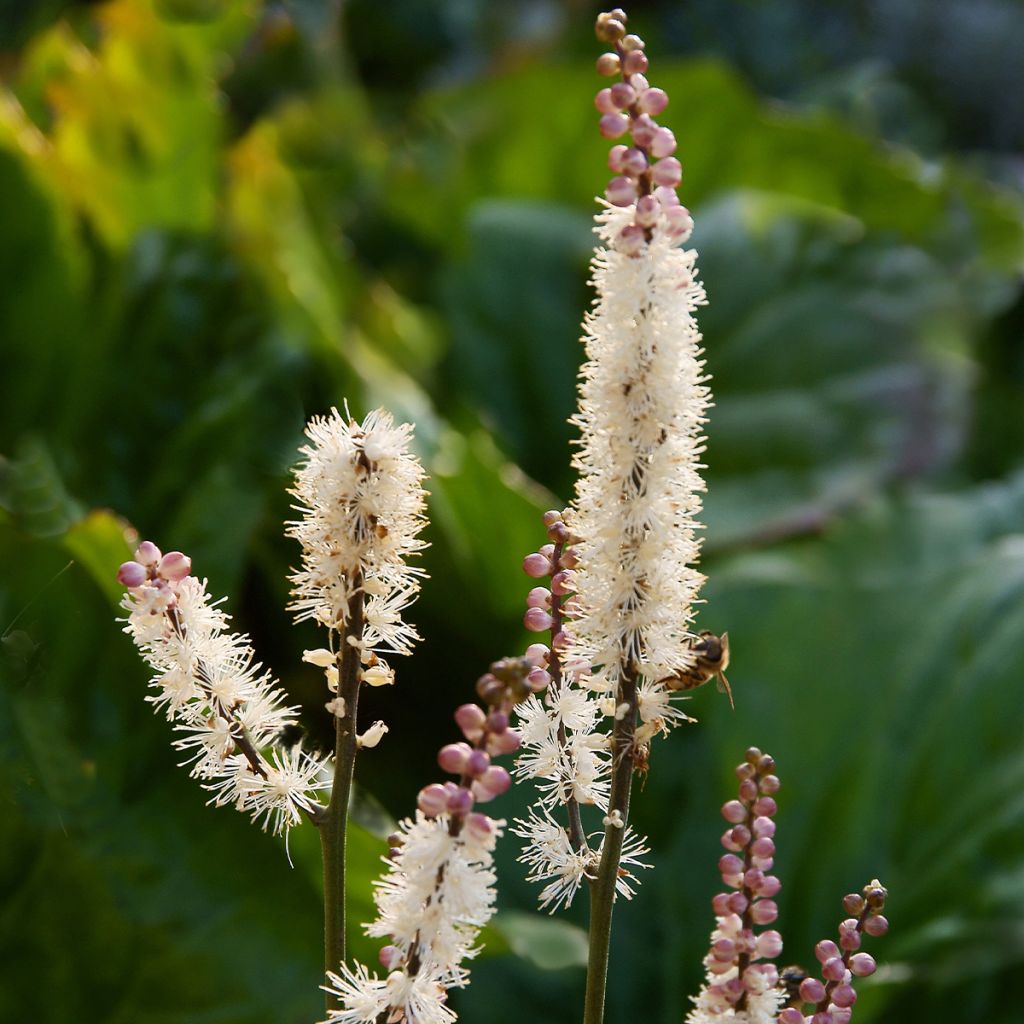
x=642 y=404
x=228 y=711
x=439 y=888
x=742 y=985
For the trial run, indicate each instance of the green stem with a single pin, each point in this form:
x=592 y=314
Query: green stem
x=333 y=823
x=602 y=892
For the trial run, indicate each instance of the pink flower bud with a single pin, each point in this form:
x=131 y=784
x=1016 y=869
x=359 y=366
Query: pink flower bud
x=833 y=969
x=668 y=199
x=506 y=742
x=147 y=553
x=664 y=145
x=763 y=847
x=432 y=800
x=477 y=763
x=612 y=126
x=723 y=949
x=648 y=210
x=643 y=130
x=826 y=950
x=537 y=654
x=536 y=565
x=738 y=903
x=561 y=583
x=849 y=935
x=452 y=757
x=480 y=828
x=753 y=879
x=748 y=790
x=730 y=864
x=390 y=957
x=770 y=886
x=862 y=965
x=730 y=843
x=492 y=783
x=470 y=718
x=667 y=172
x=763 y=827
x=653 y=101
x=569 y=559
x=634 y=162
x=539 y=597
x=812 y=990
x=764 y=911
x=720 y=904
x=460 y=802
x=639 y=82
x=843 y=995
x=679 y=222
x=562 y=639
x=841 y=1014
x=791 y=1015
x=734 y=811
x=621 y=191
x=497 y=722
x=854 y=903
x=132 y=574
x=538 y=679
x=175 y=566
x=876 y=925
x=634 y=63
x=823 y=1017
x=608 y=64
x=604 y=102
x=615 y=157
x=768 y=944
x=537 y=620
x=622 y=95
x=766 y=806
x=770 y=784
x=631 y=242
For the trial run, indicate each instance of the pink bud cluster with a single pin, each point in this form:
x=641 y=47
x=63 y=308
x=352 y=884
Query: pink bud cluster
x=738 y=954
x=646 y=172
x=833 y=995
x=546 y=606
x=487 y=735
x=158 y=573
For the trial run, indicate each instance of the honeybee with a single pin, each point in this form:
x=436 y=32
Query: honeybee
x=712 y=660
x=789 y=980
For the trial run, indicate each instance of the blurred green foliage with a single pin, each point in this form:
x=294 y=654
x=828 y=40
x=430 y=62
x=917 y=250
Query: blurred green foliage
x=220 y=218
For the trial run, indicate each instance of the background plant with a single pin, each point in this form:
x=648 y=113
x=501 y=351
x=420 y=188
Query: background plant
x=218 y=220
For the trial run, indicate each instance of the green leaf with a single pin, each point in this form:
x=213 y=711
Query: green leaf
x=546 y=942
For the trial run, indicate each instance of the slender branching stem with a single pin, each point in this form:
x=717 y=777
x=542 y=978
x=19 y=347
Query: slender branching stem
x=602 y=892
x=333 y=822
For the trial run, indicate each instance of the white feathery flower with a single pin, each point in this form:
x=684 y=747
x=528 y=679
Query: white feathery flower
x=437 y=894
x=360 y=494
x=227 y=711
x=551 y=858
x=643 y=400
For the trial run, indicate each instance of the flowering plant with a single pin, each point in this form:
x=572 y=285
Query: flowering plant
x=581 y=710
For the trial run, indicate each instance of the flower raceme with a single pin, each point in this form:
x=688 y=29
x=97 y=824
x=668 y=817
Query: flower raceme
x=439 y=887
x=229 y=712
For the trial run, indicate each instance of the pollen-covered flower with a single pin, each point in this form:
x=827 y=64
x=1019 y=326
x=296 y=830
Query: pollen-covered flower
x=227 y=710
x=360 y=494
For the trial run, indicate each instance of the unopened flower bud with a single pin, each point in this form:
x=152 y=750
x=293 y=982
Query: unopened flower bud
x=612 y=126
x=768 y=944
x=862 y=965
x=843 y=995
x=477 y=763
x=667 y=172
x=492 y=783
x=652 y=101
x=664 y=145
x=634 y=162
x=432 y=800
x=876 y=925
x=790 y=1015
x=812 y=990
x=537 y=565
x=604 y=102
x=766 y=807
x=763 y=847
x=175 y=565
x=390 y=957
x=147 y=553
x=470 y=718
x=635 y=62
x=764 y=911
x=132 y=574
x=631 y=242
x=569 y=559
x=833 y=969
x=734 y=811
x=632 y=42
x=539 y=597
x=537 y=654
x=643 y=130
x=622 y=95
x=453 y=756
x=460 y=802
x=849 y=935
x=608 y=64
x=480 y=828
x=648 y=210
x=507 y=742
x=770 y=886
x=538 y=679
x=748 y=790
x=537 y=620
x=720 y=904
x=621 y=191
x=854 y=904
